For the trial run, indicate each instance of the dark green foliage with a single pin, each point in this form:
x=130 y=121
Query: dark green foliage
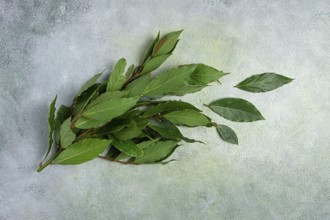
x=124 y=117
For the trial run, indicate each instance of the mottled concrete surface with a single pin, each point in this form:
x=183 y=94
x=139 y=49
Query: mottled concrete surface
x=280 y=170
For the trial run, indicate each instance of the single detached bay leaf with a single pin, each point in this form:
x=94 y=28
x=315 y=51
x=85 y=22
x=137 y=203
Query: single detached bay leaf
x=227 y=134
x=88 y=84
x=51 y=125
x=235 y=109
x=128 y=147
x=169 y=106
x=117 y=77
x=165 y=82
x=263 y=82
x=187 y=117
x=109 y=109
x=66 y=134
x=82 y=151
x=157 y=152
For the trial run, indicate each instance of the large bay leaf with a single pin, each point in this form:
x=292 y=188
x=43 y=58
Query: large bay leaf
x=82 y=151
x=66 y=134
x=109 y=109
x=117 y=77
x=263 y=82
x=157 y=152
x=188 y=117
x=167 y=81
x=236 y=109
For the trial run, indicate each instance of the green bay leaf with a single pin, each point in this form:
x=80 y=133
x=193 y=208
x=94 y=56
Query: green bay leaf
x=128 y=132
x=109 y=109
x=81 y=102
x=168 y=106
x=66 y=134
x=151 y=47
x=187 y=117
x=86 y=123
x=263 y=82
x=82 y=151
x=157 y=152
x=227 y=134
x=88 y=84
x=136 y=87
x=166 y=44
x=62 y=113
x=51 y=125
x=117 y=77
x=236 y=109
x=128 y=147
x=167 y=81
x=154 y=63
x=204 y=75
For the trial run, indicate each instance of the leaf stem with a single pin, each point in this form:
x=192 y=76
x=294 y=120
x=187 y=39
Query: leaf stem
x=134 y=76
x=43 y=166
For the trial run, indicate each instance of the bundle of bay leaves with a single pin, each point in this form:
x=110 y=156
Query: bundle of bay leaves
x=124 y=119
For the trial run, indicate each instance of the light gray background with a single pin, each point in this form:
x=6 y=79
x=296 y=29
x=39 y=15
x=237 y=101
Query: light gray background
x=280 y=170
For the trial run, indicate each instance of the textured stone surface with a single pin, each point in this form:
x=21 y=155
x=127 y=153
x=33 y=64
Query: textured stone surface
x=280 y=170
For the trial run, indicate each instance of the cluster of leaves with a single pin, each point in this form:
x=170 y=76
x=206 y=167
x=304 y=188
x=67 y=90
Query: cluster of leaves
x=123 y=117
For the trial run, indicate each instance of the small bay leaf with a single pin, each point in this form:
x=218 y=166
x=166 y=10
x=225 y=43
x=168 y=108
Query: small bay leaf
x=166 y=44
x=227 y=134
x=117 y=77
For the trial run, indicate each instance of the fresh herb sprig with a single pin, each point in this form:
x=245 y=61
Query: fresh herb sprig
x=124 y=117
